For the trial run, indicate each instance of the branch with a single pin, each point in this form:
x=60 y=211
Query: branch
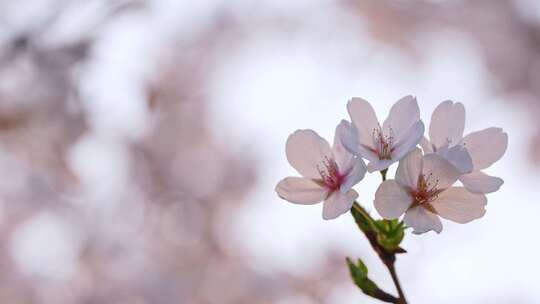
x=375 y=231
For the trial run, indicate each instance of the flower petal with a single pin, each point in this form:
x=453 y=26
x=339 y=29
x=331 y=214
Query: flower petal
x=343 y=158
x=409 y=169
x=355 y=175
x=403 y=114
x=486 y=146
x=300 y=190
x=479 y=182
x=422 y=220
x=379 y=164
x=392 y=200
x=447 y=124
x=350 y=140
x=459 y=157
x=459 y=205
x=338 y=203
x=426 y=145
x=436 y=167
x=364 y=119
x=408 y=141
x=305 y=151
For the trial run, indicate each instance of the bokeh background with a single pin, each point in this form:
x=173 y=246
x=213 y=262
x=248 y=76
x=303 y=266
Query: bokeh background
x=141 y=141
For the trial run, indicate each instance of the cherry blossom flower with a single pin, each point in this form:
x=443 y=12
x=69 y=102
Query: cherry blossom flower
x=328 y=174
x=470 y=154
x=423 y=191
x=382 y=146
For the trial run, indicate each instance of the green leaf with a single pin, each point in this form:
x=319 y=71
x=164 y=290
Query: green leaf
x=363 y=219
x=391 y=233
x=384 y=235
x=359 y=274
x=390 y=242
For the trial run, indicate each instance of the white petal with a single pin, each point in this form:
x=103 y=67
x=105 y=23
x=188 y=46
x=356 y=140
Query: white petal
x=422 y=220
x=426 y=145
x=409 y=169
x=408 y=141
x=403 y=114
x=305 y=151
x=364 y=119
x=486 y=146
x=379 y=164
x=338 y=203
x=459 y=205
x=355 y=175
x=459 y=157
x=447 y=123
x=439 y=170
x=392 y=200
x=343 y=158
x=350 y=140
x=479 y=182
x=300 y=190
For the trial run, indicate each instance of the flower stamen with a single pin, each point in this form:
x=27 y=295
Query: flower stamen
x=426 y=191
x=383 y=142
x=329 y=172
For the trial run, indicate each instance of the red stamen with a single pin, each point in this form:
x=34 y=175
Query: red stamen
x=426 y=190
x=383 y=143
x=330 y=175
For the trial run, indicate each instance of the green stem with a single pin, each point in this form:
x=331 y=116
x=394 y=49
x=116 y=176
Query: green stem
x=383 y=174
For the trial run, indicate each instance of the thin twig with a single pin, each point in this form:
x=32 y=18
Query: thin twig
x=391 y=262
x=383 y=174
x=393 y=273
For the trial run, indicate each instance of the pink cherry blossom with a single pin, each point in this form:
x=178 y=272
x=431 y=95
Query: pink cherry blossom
x=382 y=146
x=470 y=154
x=328 y=174
x=423 y=192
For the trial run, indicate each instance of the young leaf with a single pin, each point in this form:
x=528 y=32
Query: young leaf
x=383 y=235
x=391 y=233
x=359 y=274
x=363 y=219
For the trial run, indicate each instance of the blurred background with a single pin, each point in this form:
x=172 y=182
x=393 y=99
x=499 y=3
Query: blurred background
x=141 y=141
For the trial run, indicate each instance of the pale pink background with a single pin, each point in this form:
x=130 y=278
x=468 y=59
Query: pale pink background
x=140 y=143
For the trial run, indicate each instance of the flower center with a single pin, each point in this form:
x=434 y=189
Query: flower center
x=383 y=143
x=330 y=173
x=426 y=191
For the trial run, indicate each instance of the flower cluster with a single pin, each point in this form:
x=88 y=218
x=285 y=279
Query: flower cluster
x=424 y=188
